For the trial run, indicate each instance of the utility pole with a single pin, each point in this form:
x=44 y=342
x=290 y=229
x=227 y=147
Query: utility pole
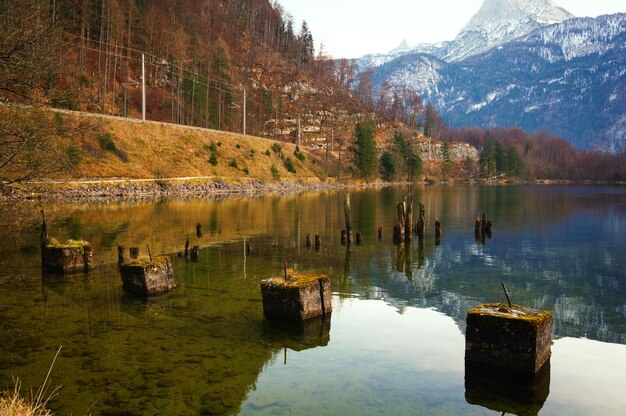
x=244 y=112
x=299 y=134
x=143 y=88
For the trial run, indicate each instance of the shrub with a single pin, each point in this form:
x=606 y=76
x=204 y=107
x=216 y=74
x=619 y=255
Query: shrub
x=212 y=147
x=213 y=158
x=159 y=180
x=245 y=170
x=275 y=173
x=276 y=148
x=238 y=146
x=74 y=155
x=299 y=154
x=267 y=152
x=289 y=165
x=107 y=143
x=233 y=163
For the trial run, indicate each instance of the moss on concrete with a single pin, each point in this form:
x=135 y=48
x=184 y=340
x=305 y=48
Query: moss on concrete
x=293 y=280
x=78 y=245
x=534 y=317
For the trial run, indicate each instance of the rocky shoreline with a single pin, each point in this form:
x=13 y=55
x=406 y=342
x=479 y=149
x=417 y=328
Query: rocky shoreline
x=157 y=189
x=154 y=189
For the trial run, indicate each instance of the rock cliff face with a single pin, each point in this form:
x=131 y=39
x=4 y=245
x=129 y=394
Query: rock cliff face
x=432 y=150
x=524 y=63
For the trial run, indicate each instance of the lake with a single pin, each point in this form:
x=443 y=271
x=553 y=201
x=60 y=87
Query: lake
x=395 y=341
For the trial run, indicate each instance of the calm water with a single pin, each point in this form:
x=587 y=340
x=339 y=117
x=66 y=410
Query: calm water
x=395 y=342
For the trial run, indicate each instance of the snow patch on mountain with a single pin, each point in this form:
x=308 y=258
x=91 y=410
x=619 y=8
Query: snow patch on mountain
x=497 y=22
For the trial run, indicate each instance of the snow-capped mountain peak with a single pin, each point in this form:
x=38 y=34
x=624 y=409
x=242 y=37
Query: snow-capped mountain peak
x=402 y=47
x=501 y=21
x=492 y=12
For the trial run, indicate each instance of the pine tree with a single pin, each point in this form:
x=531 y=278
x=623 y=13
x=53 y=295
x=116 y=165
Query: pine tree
x=365 y=150
x=387 y=166
x=447 y=160
x=306 y=41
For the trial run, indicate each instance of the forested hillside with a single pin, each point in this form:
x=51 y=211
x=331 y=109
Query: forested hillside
x=237 y=66
x=200 y=57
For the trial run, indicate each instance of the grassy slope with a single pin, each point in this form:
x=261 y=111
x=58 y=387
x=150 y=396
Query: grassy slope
x=157 y=150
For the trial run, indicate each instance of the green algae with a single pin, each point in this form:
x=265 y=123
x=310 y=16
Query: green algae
x=534 y=317
x=78 y=245
x=146 y=262
x=294 y=280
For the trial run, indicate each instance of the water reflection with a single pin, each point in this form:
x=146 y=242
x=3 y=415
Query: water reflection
x=311 y=333
x=507 y=391
x=205 y=348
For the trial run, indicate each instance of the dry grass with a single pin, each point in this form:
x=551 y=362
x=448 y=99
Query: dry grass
x=156 y=150
x=34 y=404
x=14 y=404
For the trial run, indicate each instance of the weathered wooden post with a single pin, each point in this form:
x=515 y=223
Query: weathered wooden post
x=134 y=253
x=408 y=220
x=318 y=242
x=420 y=253
x=396 y=235
x=478 y=228
x=401 y=220
x=438 y=229
x=295 y=297
x=488 y=227
x=121 y=254
x=380 y=233
x=148 y=278
x=482 y=228
x=420 y=227
x=308 y=240
x=359 y=239
x=249 y=247
x=44 y=238
x=400 y=257
x=348 y=215
x=408 y=259
x=198 y=230
x=187 y=248
x=195 y=252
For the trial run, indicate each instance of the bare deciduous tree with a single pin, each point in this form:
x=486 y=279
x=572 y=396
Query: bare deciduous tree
x=32 y=140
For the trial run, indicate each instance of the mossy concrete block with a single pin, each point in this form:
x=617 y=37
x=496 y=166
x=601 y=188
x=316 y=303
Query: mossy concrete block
x=68 y=257
x=299 y=297
x=148 y=278
x=518 y=338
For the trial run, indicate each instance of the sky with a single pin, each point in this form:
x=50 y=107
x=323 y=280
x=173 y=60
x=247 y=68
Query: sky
x=353 y=28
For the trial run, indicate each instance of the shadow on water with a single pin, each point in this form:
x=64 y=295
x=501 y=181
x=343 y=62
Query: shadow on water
x=507 y=391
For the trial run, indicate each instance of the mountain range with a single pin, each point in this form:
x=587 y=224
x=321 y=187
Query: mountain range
x=522 y=63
